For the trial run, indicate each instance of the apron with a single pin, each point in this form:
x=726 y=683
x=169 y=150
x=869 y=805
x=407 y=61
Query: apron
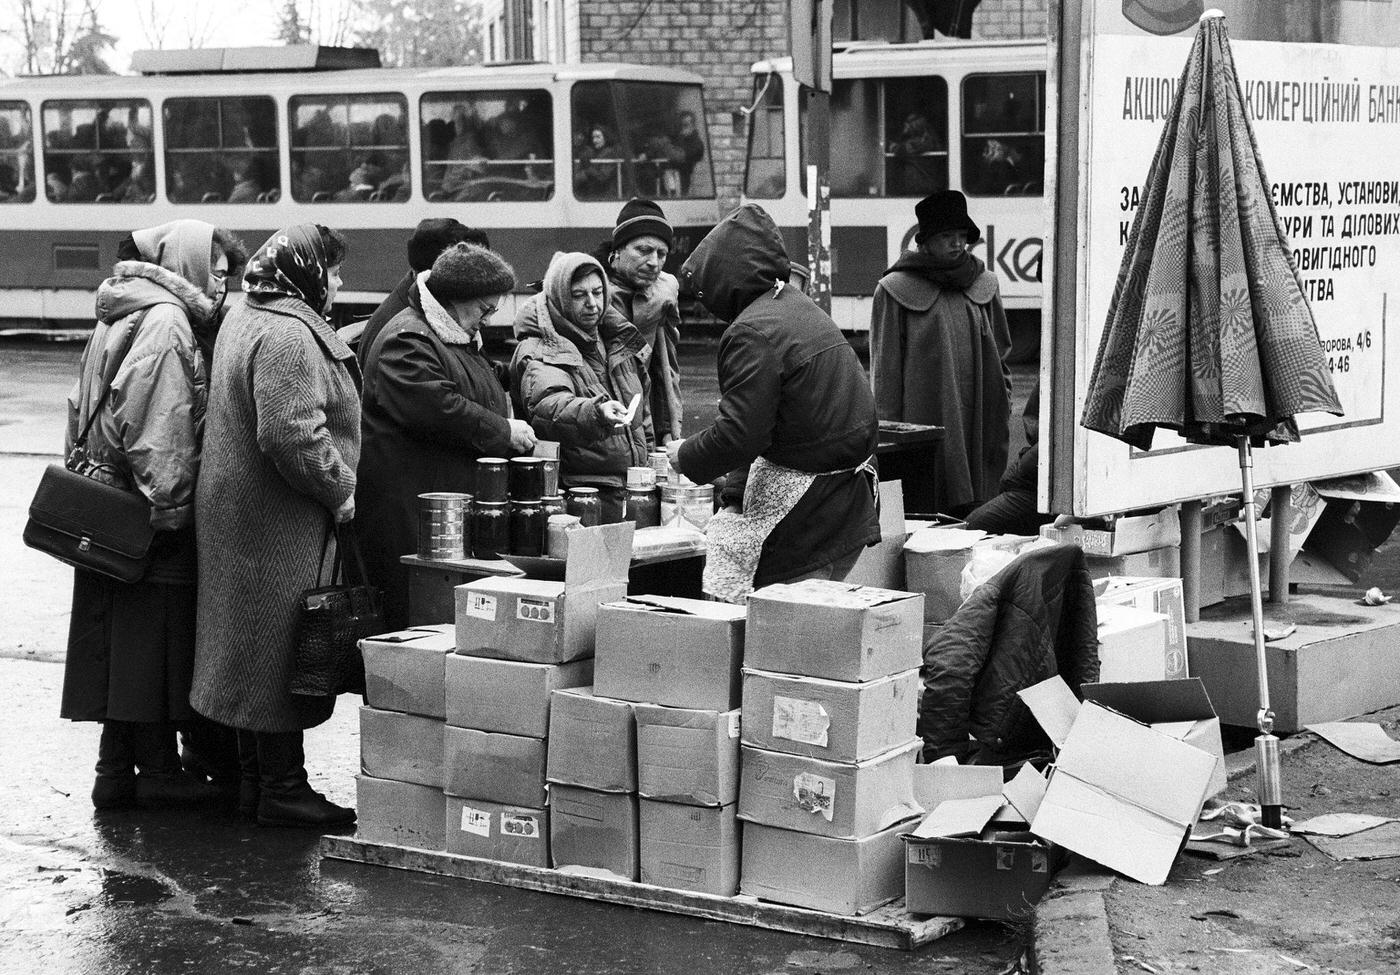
x=734 y=540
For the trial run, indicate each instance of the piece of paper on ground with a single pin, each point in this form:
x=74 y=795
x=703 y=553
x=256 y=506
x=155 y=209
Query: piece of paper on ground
x=1379 y=843
x=1340 y=824
x=1360 y=739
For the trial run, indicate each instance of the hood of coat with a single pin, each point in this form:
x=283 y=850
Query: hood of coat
x=135 y=285
x=544 y=317
x=736 y=262
x=182 y=246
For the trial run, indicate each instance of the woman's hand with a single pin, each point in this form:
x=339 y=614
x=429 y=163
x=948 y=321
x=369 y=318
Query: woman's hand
x=346 y=511
x=522 y=437
x=613 y=412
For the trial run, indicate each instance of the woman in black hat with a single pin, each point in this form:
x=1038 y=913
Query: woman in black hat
x=938 y=345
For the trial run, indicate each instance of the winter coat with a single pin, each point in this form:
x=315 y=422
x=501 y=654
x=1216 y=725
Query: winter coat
x=938 y=356
x=282 y=445
x=656 y=314
x=561 y=390
x=1033 y=619
x=432 y=405
x=395 y=302
x=791 y=390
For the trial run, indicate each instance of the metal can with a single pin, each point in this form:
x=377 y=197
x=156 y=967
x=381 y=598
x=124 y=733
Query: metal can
x=526 y=528
x=526 y=478
x=690 y=506
x=491 y=480
x=585 y=503
x=490 y=529
x=442 y=524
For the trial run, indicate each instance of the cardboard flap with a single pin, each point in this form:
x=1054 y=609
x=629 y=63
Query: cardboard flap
x=1155 y=701
x=1054 y=705
x=598 y=556
x=1117 y=617
x=892 y=510
x=825 y=592
x=943 y=539
x=959 y=817
x=1025 y=791
x=704 y=608
x=400 y=636
x=941 y=781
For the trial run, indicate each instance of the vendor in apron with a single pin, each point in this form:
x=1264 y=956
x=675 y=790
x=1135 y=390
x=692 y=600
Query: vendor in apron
x=796 y=426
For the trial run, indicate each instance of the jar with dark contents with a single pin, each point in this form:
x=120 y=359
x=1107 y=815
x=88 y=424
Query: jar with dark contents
x=586 y=505
x=527 y=528
x=490 y=529
x=526 y=478
x=492 y=480
x=643 y=504
x=552 y=505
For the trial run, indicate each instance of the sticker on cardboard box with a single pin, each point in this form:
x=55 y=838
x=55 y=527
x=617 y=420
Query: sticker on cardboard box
x=734 y=724
x=1040 y=860
x=1006 y=858
x=798 y=720
x=516 y=824
x=534 y=610
x=925 y=853
x=481 y=606
x=476 y=822
x=815 y=794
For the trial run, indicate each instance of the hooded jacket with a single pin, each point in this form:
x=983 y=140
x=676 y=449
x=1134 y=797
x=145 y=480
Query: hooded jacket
x=791 y=390
x=561 y=390
x=656 y=315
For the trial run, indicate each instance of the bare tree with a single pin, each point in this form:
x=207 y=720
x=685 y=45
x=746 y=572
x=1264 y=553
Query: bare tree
x=430 y=33
x=61 y=37
x=153 y=17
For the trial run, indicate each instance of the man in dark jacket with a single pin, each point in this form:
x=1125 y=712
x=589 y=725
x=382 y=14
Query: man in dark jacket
x=796 y=422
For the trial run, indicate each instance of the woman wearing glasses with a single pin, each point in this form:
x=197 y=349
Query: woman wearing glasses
x=432 y=405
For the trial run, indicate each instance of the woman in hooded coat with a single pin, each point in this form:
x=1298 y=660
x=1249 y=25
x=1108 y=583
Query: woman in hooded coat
x=131 y=645
x=578 y=363
x=283 y=442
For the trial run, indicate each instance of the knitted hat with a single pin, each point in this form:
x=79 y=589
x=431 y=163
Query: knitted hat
x=641 y=218
x=435 y=235
x=469 y=271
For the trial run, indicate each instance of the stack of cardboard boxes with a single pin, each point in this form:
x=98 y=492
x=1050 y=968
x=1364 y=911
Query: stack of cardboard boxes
x=828 y=746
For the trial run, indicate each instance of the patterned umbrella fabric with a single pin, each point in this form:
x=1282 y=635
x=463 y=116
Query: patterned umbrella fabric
x=1208 y=333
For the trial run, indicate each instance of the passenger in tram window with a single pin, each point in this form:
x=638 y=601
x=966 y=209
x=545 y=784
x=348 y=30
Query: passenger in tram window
x=62 y=137
x=9 y=182
x=917 y=164
x=83 y=188
x=1001 y=168
x=251 y=177
x=938 y=345
x=467 y=150
x=307 y=180
x=597 y=167
x=511 y=141
x=397 y=188
x=690 y=146
x=56 y=185
x=140 y=185
x=364 y=180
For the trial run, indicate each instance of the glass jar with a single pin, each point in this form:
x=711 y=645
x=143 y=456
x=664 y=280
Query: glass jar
x=556 y=544
x=643 y=507
x=526 y=478
x=585 y=503
x=526 y=528
x=491 y=480
x=661 y=463
x=551 y=477
x=552 y=505
x=490 y=529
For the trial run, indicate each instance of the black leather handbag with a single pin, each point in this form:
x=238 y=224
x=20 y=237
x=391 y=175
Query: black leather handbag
x=334 y=619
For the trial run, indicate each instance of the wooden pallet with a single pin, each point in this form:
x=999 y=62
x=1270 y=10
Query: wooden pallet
x=887 y=927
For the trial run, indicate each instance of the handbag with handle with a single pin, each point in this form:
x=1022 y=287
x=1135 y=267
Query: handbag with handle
x=86 y=522
x=334 y=619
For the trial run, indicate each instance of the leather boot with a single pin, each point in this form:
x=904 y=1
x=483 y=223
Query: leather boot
x=249 y=788
x=210 y=750
x=160 y=779
x=287 y=798
x=115 y=784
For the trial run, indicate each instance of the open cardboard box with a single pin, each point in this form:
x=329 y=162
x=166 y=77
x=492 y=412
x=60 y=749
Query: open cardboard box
x=1163 y=596
x=882 y=565
x=1124 y=535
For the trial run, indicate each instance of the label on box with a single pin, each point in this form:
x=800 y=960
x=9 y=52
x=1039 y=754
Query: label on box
x=815 y=794
x=799 y=720
x=1176 y=662
x=734 y=725
x=1040 y=861
x=1006 y=858
x=482 y=606
x=476 y=821
x=924 y=853
x=534 y=610
x=514 y=824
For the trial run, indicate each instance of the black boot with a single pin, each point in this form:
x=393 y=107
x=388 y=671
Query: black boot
x=115 y=784
x=249 y=788
x=160 y=779
x=287 y=798
x=210 y=750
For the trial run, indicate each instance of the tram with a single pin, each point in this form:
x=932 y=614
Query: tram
x=906 y=120
x=540 y=156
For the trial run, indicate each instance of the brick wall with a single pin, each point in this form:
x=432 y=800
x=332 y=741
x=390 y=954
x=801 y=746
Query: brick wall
x=1004 y=19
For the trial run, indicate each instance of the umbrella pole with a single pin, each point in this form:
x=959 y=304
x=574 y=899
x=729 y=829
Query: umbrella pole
x=1266 y=756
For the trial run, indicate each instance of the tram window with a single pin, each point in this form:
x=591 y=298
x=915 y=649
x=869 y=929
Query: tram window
x=916 y=136
x=487 y=145
x=1003 y=138
x=662 y=150
x=857 y=145
x=221 y=150
x=16 y=153
x=764 y=176
x=98 y=151
x=349 y=148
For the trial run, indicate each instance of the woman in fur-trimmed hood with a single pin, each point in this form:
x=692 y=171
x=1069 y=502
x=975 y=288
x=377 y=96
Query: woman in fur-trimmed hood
x=131 y=646
x=577 y=366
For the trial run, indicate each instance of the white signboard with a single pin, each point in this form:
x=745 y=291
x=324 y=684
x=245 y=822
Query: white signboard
x=1327 y=120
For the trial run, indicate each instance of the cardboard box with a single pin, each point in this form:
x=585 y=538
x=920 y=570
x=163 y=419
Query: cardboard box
x=684 y=653
x=592 y=742
x=546 y=621
x=846 y=877
x=1211 y=581
x=1124 y=535
x=839 y=721
x=934 y=559
x=999 y=875
x=1180 y=708
x=400 y=813
x=402 y=747
x=687 y=756
x=1157 y=596
x=508 y=769
x=1132 y=644
x=689 y=847
x=827 y=798
x=1157 y=563
x=507 y=696
x=591 y=832
x=493 y=831
x=882 y=564
x=404 y=670
x=820 y=628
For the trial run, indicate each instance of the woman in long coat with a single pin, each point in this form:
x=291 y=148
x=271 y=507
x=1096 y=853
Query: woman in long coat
x=131 y=645
x=432 y=405
x=283 y=441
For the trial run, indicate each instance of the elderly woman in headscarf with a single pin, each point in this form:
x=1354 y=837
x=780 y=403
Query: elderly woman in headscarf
x=141 y=399
x=284 y=439
x=577 y=367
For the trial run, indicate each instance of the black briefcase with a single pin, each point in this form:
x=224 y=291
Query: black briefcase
x=90 y=525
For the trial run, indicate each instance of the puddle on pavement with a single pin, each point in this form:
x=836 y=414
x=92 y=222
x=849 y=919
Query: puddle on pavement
x=133 y=889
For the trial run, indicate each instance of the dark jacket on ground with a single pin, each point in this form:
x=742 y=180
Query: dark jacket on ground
x=791 y=390
x=431 y=408
x=1033 y=619
x=395 y=302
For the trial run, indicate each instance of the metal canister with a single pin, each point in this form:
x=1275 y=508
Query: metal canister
x=442 y=517
x=556 y=543
x=526 y=478
x=586 y=505
x=491 y=480
x=689 y=506
x=641 y=478
x=490 y=529
x=526 y=528
x=551 y=476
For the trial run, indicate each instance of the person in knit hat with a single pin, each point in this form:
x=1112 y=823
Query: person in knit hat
x=432 y=404
x=430 y=238
x=648 y=297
